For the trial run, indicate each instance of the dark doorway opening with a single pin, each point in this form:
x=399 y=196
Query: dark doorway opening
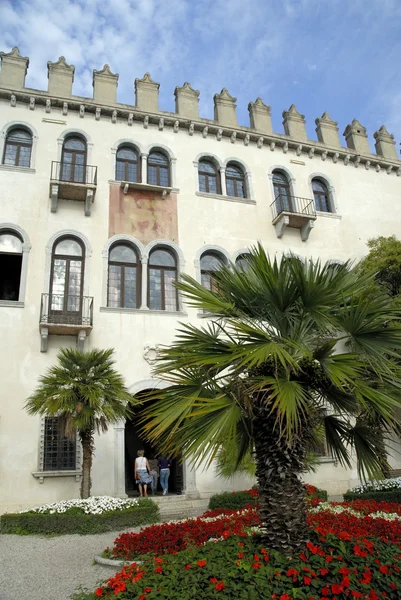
x=133 y=443
x=10 y=276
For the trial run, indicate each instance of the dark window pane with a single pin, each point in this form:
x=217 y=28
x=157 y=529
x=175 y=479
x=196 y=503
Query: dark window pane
x=230 y=187
x=163 y=176
x=210 y=262
x=202 y=183
x=122 y=253
x=212 y=181
x=59 y=452
x=24 y=156
x=152 y=175
x=232 y=171
x=19 y=135
x=161 y=258
x=127 y=153
x=74 y=143
x=155 y=290
x=207 y=167
x=114 y=292
x=242 y=261
x=157 y=158
x=130 y=289
x=10 y=156
x=279 y=178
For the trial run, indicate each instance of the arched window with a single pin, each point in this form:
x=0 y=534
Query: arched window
x=235 y=181
x=282 y=192
x=66 y=280
x=127 y=164
x=209 y=177
x=10 y=265
x=124 y=287
x=162 y=294
x=321 y=195
x=242 y=261
x=209 y=262
x=18 y=147
x=158 y=169
x=73 y=159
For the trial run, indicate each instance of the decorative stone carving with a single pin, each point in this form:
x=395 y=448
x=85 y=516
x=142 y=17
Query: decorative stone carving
x=151 y=353
x=298 y=151
x=367 y=165
x=82 y=111
x=205 y=131
x=389 y=169
x=191 y=129
x=385 y=144
x=233 y=137
x=176 y=126
x=187 y=101
x=98 y=112
x=260 y=116
x=285 y=147
x=347 y=158
x=31 y=103
x=114 y=116
x=48 y=108
x=356 y=138
x=53 y=198
x=61 y=77
x=259 y=143
x=147 y=93
x=281 y=225
x=105 y=86
x=88 y=202
x=65 y=109
x=225 y=108
x=272 y=146
x=146 y=122
x=398 y=172
x=161 y=124
x=311 y=152
x=324 y=155
x=81 y=337
x=219 y=135
x=378 y=168
x=14 y=68
x=294 y=123
x=247 y=139
x=357 y=161
x=130 y=119
x=13 y=100
x=306 y=229
x=336 y=156
x=327 y=130
x=44 y=338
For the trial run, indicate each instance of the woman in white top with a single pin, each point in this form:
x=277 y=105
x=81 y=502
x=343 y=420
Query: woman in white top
x=142 y=471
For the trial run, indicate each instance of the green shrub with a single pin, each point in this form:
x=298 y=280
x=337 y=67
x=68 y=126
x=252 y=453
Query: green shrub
x=312 y=492
x=233 y=500
x=380 y=496
x=67 y=523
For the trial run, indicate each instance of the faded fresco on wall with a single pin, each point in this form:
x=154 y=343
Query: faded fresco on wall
x=145 y=215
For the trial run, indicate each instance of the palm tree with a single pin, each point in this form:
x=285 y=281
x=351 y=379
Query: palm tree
x=86 y=393
x=286 y=351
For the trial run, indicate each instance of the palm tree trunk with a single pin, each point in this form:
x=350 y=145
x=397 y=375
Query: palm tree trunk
x=282 y=494
x=87 y=453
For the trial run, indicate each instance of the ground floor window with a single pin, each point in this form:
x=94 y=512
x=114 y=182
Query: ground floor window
x=59 y=451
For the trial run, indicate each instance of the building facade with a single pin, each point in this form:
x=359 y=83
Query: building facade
x=104 y=205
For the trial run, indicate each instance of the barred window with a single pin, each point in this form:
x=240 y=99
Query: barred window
x=209 y=177
x=162 y=273
x=235 y=181
x=158 y=169
x=321 y=195
x=59 y=452
x=18 y=147
x=124 y=277
x=127 y=164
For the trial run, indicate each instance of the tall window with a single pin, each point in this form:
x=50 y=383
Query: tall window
x=242 y=261
x=158 y=169
x=124 y=277
x=282 y=192
x=235 y=181
x=73 y=160
x=209 y=262
x=10 y=265
x=162 y=294
x=59 y=452
x=127 y=164
x=209 y=177
x=18 y=148
x=321 y=195
x=66 y=280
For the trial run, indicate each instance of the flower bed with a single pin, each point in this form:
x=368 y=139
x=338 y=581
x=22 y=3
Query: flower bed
x=383 y=490
x=249 y=498
x=92 y=515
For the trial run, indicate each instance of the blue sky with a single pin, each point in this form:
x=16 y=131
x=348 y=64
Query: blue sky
x=342 y=56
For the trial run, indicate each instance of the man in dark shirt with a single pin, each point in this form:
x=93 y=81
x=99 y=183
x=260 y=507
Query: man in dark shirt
x=164 y=466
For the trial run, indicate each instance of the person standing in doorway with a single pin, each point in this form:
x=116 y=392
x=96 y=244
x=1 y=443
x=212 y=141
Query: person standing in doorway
x=142 y=470
x=154 y=472
x=164 y=466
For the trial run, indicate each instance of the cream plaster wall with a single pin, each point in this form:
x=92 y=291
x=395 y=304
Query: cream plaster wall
x=368 y=204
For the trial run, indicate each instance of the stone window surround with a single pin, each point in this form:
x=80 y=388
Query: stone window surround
x=26 y=247
x=41 y=474
x=330 y=189
x=71 y=132
x=221 y=167
x=290 y=179
x=49 y=249
x=3 y=136
x=205 y=249
x=143 y=153
x=144 y=252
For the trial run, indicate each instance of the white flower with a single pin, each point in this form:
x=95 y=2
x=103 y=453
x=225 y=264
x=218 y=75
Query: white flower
x=381 y=485
x=96 y=505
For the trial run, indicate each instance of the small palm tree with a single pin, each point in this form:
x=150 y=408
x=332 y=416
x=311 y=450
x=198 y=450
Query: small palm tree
x=86 y=393
x=290 y=349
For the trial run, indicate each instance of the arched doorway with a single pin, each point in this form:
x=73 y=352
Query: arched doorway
x=134 y=442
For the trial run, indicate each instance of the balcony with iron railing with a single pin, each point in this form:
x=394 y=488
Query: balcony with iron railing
x=70 y=181
x=293 y=211
x=65 y=315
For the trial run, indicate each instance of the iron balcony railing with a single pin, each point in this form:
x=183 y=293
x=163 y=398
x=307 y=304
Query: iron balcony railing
x=293 y=204
x=60 y=309
x=73 y=173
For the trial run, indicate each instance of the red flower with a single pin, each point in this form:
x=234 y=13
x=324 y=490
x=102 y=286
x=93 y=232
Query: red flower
x=336 y=588
x=99 y=592
x=285 y=597
x=240 y=555
x=142 y=597
x=213 y=580
x=158 y=560
x=383 y=569
x=256 y=565
x=159 y=570
x=393 y=586
x=307 y=580
x=326 y=590
x=201 y=563
x=292 y=572
x=187 y=567
x=323 y=571
x=356 y=594
x=147 y=590
x=220 y=586
x=329 y=558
